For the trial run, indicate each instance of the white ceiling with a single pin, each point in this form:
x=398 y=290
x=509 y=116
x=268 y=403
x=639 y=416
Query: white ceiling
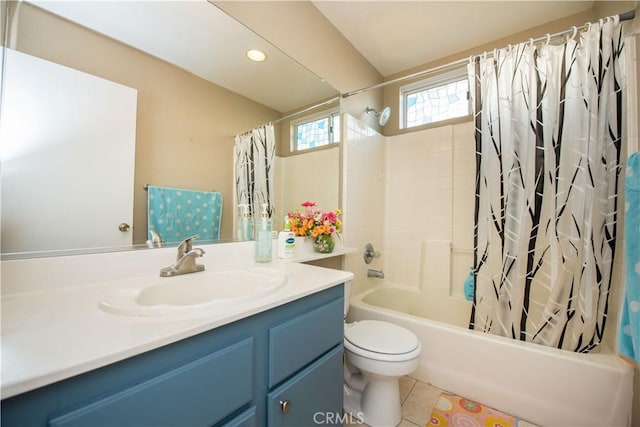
x=398 y=35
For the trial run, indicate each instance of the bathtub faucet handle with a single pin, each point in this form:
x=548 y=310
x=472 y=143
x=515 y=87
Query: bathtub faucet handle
x=370 y=253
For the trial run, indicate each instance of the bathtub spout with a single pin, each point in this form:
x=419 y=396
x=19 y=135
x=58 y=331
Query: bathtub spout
x=375 y=273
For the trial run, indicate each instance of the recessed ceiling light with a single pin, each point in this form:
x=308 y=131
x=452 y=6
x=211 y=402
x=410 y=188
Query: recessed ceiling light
x=256 y=55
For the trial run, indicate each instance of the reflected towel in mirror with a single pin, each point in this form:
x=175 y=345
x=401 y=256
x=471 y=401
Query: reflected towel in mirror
x=179 y=213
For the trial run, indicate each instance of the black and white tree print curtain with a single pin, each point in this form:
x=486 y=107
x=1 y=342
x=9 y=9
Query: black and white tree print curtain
x=254 y=158
x=548 y=129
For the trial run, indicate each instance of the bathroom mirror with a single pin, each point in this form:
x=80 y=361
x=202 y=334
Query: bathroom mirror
x=189 y=105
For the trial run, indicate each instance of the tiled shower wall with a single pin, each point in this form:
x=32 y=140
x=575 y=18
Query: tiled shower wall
x=429 y=209
x=429 y=212
x=363 y=197
x=399 y=195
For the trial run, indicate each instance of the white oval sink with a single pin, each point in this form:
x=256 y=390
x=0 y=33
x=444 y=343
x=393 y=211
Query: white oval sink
x=193 y=291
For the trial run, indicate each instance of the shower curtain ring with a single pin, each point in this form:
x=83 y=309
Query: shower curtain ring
x=546 y=43
x=531 y=42
x=586 y=30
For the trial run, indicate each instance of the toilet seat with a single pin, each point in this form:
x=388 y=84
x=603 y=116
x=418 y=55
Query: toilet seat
x=382 y=341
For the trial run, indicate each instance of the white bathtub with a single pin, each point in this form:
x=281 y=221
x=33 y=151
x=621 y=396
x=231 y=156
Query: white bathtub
x=546 y=386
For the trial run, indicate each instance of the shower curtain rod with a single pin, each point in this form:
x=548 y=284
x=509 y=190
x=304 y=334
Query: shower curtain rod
x=313 y=107
x=626 y=16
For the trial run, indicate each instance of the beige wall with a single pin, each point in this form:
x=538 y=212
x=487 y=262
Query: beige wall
x=185 y=125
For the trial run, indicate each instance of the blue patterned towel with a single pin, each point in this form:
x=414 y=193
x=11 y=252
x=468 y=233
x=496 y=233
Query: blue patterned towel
x=629 y=328
x=177 y=214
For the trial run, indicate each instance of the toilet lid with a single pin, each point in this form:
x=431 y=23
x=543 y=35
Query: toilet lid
x=381 y=337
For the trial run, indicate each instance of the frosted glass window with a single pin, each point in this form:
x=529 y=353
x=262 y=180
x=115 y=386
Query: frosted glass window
x=431 y=101
x=320 y=131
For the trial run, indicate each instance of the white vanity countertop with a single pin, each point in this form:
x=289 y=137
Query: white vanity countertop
x=53 y=329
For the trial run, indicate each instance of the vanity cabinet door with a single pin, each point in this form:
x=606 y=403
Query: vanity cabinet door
x=195 y=394
x=299 y=341
x=311 y=397
x=248 y=418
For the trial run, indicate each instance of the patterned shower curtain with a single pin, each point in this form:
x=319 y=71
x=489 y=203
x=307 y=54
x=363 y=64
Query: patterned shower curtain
x=254 y=159
x=548 y=124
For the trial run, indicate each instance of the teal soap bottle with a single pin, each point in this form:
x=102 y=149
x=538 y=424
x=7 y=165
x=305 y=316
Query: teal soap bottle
x=264 y=231
x=245 y=224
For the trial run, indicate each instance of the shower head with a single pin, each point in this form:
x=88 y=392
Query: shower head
x=383 y=116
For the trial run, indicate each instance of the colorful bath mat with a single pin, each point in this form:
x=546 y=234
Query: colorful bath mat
x=451 y=410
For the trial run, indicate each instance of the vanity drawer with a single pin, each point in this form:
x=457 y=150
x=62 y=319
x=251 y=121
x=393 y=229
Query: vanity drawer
x=299 y=341
x=248 y=418
x=195 y=394
x=311 y=397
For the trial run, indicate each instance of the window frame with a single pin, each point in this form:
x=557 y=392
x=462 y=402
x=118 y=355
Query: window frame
x=442 y=79
x=330 y=114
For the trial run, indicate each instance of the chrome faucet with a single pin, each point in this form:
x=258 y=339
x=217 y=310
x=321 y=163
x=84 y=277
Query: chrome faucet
x=375 y=273
x=186 y=259
x=155 y=240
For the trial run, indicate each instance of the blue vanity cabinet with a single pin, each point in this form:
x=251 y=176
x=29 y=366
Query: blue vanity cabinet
x=304 y=389
x=311 y=397
x=232 y=376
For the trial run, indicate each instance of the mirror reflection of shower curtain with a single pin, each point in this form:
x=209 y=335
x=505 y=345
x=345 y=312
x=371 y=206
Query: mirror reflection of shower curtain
x=548 y=145
x=254 y=160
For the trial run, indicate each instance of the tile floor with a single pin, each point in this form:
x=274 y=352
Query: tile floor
x=417 y=400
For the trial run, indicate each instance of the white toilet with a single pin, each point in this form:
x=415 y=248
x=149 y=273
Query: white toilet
x=377 y=355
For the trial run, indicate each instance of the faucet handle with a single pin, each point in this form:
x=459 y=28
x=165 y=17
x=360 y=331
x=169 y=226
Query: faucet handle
x=186 y=245
x=370 y=253
x=155 y=240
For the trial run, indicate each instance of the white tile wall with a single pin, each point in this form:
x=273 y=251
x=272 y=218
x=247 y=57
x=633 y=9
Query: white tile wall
x=312 y=176
x=419 y=199
x=363 y=197
x=464 y=169
x=430 y=198
x=411 y=196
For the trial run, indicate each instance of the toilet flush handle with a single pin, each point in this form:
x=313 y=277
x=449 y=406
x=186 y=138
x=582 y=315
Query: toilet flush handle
x=285 y=406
